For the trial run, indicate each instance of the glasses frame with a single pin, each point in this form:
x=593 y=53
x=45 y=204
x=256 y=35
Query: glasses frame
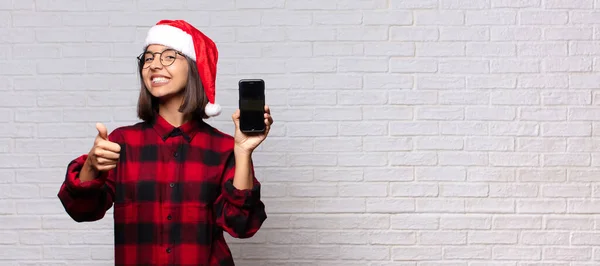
x=141 y=57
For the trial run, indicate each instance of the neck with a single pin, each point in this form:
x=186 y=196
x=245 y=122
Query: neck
x=169 y=110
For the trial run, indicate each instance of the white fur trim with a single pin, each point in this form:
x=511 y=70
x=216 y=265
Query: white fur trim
x=212 y=109
x=173 y=37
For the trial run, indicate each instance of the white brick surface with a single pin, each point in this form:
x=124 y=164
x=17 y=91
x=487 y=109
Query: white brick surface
x=408 y=132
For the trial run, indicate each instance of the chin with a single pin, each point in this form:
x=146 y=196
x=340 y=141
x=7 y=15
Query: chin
x=163 y=92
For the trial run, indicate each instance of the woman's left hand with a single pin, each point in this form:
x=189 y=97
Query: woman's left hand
x=246 y=143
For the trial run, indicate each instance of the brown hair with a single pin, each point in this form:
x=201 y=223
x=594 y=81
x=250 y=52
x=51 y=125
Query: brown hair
x=194 y=99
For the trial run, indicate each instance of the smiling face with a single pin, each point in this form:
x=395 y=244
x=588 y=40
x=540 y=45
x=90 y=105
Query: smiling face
x=165 y=75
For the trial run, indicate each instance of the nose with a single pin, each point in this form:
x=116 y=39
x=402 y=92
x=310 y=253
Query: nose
x=156 y=63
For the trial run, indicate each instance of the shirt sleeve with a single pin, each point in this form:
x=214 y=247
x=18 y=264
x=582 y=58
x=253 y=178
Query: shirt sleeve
x=239 y=212
x=87 y=201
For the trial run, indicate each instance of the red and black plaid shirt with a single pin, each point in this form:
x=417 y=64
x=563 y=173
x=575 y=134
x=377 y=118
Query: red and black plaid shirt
x=173 y=195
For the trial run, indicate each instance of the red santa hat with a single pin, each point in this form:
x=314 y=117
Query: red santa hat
x=181 y=36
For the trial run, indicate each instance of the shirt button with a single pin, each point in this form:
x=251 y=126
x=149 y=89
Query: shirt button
x=168 y=250
x=169 y=217
x=171 y=185
x=176 y=154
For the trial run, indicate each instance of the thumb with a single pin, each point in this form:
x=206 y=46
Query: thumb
x=102 y=132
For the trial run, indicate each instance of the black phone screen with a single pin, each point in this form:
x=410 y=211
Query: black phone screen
x=252 y=105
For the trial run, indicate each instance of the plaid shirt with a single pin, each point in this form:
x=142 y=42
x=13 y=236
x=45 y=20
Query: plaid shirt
x=173 y=195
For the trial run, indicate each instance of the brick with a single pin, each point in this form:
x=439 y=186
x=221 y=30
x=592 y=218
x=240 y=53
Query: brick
x=20 y=253
x=353 y=4
x=464 y=190
x=362 y=65
x=413 y=158
x=464 y=128
x=380 y=17
x=440 y=49
x=572 y=34
x=446 y=173
x=442 y=238
x=572 y=223
x=583 y=206
x=516 y=253
x=440 y=205
x=499 y=237
x=496 y=205
x=513 y=191
x=529 y=49
x=571 y=4
x=385 y=143
x=445 y=17
x=462 y=33
x=490 y=174
x=515 y=222
x=566 y=191
x=516 y=3
x=341 y=221
x=516 y=33
x=464 y=66
x=413 y=65
x=567 y=98
x=372 y=253
x=461 y=222
x=490 y=17
x=413 y=190
x=365 y=33
x=387 y=174
x=416 y=253
x=573 y=129
x=490 y=113
x=337 y=18
x=473 y=252
x=544 y=238
x=439 y=143
x=379 y=205
x=489 y=144
x=414 y=34
x=547 y=206
x=337 y=174
x=465 y=4
x=337 y=48
x=567 y=64
x=331 y=81
x=569 y=253
x=392 y=237
x=416 y=4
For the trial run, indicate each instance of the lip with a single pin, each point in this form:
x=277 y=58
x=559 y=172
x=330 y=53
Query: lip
x=159 y=76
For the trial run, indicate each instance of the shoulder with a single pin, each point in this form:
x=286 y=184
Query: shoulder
x=219 y=139
x=120 y=134
x=217 y=134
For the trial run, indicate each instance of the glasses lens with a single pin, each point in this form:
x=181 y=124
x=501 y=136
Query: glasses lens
x=168 y=57
x=146 y=59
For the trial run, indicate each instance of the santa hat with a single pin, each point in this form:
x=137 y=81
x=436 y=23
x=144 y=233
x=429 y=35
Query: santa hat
x=182 y=36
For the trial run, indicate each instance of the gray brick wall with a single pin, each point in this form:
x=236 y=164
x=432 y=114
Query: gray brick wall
x=408 y=132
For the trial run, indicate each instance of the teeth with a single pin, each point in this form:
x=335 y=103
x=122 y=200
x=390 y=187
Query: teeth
x=160 y=80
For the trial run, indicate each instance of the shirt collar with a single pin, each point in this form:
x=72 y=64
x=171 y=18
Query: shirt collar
x=166 y=130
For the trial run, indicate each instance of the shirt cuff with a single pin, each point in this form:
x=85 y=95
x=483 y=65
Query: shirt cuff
x=74 y=184
x=245 y=198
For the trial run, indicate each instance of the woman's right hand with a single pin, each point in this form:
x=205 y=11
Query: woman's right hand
x=103 y=156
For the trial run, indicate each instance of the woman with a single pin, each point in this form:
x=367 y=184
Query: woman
x=176 y=183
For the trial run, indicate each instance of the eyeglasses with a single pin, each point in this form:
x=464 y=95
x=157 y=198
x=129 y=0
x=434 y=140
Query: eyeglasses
x=167 y=57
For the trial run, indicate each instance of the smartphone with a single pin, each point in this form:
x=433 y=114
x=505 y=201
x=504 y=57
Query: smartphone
x=252 y=105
